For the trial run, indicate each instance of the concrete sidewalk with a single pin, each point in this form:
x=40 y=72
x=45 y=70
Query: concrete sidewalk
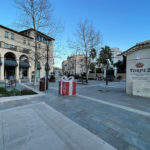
x=40 y=127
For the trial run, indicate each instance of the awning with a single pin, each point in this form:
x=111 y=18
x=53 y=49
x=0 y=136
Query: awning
x=0 y=62
x=46 y=67
x=24 y=64
x=38 y=67
x=11 y=63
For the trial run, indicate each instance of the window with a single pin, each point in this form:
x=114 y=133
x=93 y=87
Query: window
x=6 y=45
x=12 y=36
x=49 y=43
x=24 y=41
x=28 y=42
x=13 y=47
x=25 y=50
x=6 y=34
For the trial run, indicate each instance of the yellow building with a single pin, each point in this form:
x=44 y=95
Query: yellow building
x=17 y=54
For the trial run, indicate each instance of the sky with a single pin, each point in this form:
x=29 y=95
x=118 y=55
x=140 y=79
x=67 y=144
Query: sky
x=122 y=23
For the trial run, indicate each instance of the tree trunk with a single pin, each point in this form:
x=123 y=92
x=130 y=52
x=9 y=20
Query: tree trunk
x=47 y=68
x=35 y=64
x=86 y=61
x=95 y=73
x=106 y=74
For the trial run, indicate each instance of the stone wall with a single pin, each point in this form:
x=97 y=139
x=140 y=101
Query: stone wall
x=138 y=70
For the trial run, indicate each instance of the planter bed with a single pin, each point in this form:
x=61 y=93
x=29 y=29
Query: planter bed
x=15 y=92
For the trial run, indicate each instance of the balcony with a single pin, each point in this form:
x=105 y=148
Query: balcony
x=14 y=48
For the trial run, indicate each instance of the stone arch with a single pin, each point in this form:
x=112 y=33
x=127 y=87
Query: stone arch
x=10 y=65
x=24 y=58
x=24 y=67
x=10 y=55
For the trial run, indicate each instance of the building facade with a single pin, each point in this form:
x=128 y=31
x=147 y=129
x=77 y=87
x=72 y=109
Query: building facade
x=116 y=55
x=64 y=66
x=57 y=71
x=138 y=69
x=74 y=64
x=17 y=54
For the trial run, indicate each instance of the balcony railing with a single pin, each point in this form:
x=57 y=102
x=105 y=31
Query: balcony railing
x=14 y=48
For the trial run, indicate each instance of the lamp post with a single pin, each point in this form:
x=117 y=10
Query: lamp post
x=106 y=74
x=47 y=65
x=107 y=65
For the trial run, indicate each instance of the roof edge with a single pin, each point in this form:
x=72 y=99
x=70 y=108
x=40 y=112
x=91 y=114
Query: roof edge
x=38 y=32
x=138 y=46
x=12 y=30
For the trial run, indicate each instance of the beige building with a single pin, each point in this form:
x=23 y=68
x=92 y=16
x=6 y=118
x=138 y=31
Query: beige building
x=64 y=66
x=74 y=64
x=57 y=71
x=138 y=69
x=116 y=55
x=17 y=54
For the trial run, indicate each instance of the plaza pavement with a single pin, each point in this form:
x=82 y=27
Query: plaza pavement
x=121 y=120
x=39 y=127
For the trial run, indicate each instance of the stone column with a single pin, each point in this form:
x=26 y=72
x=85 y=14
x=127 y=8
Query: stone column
x=104 y=72
x=2 y=70
x=115 y=71
x=17 y=71
x=29 y=74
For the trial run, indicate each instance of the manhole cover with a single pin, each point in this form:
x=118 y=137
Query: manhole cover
x=103 y=90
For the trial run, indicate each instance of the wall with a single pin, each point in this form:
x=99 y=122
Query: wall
x=134 y=73
x=123 y=75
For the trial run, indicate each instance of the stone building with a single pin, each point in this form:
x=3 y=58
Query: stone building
x=57 y=71
x=74 y=64
x=116 y=55
x=138 y=69
x=64 y=66
x=17 y=54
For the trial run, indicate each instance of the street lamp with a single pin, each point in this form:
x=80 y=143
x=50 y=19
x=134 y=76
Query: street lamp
x=47 y=65
x=47 y=62
x=107 y=65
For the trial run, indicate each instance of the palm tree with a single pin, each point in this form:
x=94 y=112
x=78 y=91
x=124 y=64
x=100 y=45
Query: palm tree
x=93 y=53
x=104 y=55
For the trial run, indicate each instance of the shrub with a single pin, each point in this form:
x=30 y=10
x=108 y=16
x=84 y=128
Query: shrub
x=14 y=92
x=91 y=78
x=27 y=92
x=119 y=77
x=3 y=91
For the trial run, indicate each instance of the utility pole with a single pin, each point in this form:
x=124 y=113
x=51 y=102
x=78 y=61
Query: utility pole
x=47 y=65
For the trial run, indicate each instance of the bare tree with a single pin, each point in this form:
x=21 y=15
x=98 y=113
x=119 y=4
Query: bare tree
x=35 y=14
x=86 y=38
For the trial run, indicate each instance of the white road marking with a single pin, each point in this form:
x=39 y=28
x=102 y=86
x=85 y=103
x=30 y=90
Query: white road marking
x=130 y=109
x=116 y=105
x=116 y=85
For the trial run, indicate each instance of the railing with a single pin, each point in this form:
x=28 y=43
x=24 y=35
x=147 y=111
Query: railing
x=14 y=48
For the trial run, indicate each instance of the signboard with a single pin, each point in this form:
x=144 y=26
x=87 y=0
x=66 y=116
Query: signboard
x=139 y=69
